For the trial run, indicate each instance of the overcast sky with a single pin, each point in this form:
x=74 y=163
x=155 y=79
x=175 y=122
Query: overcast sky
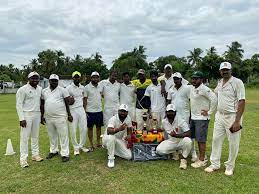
x=111 y=27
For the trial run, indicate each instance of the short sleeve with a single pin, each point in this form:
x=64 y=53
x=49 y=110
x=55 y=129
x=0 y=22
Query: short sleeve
x=169 y=96
x=129 y=123
x=147 y=92
x=240 y=90
x=65 y=93
x=184 y=127
x=111 y=122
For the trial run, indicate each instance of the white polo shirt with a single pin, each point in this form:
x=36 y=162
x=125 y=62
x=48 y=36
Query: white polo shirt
x=202 y=98
x=229 y=95
x=178 y=125
x=54 y=102
x=78 y=93
x=181 y=99
x=128 y=95
x=115 y=122
x=94 y=98
x=111 y=93
x=27 y=100
x=170 y=81
x=156 y=98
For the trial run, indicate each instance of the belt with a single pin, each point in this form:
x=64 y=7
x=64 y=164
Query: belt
x=226 y=113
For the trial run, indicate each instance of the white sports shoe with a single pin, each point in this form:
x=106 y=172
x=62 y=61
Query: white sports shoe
x=194 y=156
x=229 y=171
x=24 y=163
x=199 y=164
x=111 y=163
x=210 y=169
x=183 y=164
x=37 y=158
x=76 y=152
x=84 y=149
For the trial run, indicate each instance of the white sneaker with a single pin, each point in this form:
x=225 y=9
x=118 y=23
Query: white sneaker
x=76 y=152
x=84 y=149
x=111 y=163
x=24 y=163
x=194 y=156
x=210 y=169
x=199 y=164
x=37 y=158
x=183 y=164
x=229 y=171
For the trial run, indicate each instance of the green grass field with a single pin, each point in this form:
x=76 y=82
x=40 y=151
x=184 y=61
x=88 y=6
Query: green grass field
x=88 y=172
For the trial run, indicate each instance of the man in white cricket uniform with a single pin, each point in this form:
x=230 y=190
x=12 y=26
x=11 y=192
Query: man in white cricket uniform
x=203 y=104
x=228 y=119
x=28 y=110
x=77 y=109
x=110 y=89
x=179 y=95
x=118 y=128
x=179 y=136
x=128 y=95
x=153 y=91
x=167 y=78
x=94 y=109
x=55 y=109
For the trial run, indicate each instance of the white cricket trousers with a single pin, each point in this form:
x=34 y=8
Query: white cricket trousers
x=221 y=129
x=109 y=113
x=32 y=129
x=132 y=112
x=57 y=128
x=170 y=146
x=116 y=147
x=79 y=120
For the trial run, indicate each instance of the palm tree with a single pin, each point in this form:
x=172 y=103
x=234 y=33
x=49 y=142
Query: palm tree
x=235 y=49
x=211 y=51
x=194 y=58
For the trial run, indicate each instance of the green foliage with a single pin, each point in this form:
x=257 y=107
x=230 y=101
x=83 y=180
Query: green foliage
x=55 y=61
x=131 y=61
x=5 y=78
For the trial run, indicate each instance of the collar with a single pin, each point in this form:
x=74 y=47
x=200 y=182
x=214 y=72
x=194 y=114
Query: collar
x=91 y=85
x=29 y=85
x=73 y=84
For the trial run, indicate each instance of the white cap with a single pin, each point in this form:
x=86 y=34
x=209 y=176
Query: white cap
x=141 y=71
x=95 y=73
x=124 y=107
x=168 y=65
x=177 y=74
x=225 y=65
x=54 y=76
x=33 y=73
x=170 y=107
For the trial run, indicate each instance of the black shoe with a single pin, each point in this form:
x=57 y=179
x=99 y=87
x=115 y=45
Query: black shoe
x=65 y=158
x=51 y=155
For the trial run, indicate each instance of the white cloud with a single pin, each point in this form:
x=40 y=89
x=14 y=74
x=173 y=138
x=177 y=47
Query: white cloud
x=112 y=27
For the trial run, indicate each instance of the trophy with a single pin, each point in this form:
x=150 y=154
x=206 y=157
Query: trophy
x=145 y=116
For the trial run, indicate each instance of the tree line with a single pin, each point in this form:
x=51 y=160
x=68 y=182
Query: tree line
x=55 y=61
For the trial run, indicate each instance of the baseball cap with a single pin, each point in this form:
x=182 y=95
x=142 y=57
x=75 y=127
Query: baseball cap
x=177 y=74
x=95 y=73
x=33 y=73
x=123 y=107
x=141 y=71
x=225 y=65
x=54 y=76
x=197 y=74
x=168 y=65
x=170 y=107
x=76 y=73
